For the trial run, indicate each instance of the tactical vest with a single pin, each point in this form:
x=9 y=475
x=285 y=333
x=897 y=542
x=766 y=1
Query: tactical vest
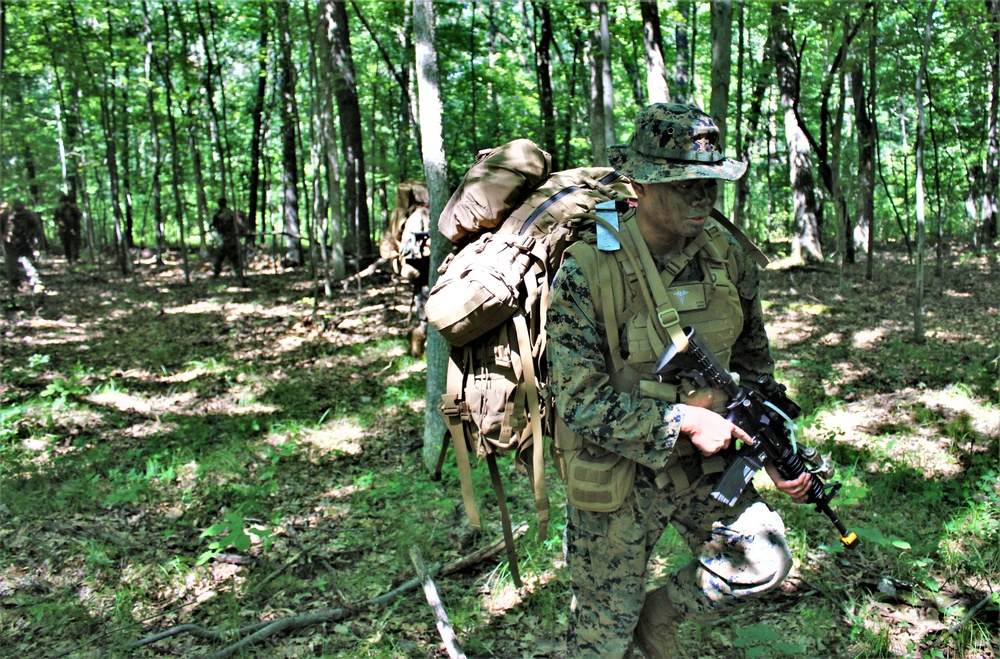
x=638 y=317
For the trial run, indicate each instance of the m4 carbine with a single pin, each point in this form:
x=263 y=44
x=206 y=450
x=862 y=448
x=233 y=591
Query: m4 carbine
x=765 y=416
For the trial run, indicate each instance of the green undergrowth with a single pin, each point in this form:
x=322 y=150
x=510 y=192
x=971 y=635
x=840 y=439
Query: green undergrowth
x=264 y=467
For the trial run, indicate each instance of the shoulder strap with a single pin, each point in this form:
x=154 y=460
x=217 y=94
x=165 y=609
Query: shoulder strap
x=755 y=253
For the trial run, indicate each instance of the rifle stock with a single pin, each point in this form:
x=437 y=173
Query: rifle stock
x=763 y=416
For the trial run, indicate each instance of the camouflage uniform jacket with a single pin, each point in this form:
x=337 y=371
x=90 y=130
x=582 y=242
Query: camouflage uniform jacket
x=641 y=429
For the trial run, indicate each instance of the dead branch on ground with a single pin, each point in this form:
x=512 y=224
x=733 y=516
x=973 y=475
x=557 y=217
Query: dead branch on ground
x=256 y=632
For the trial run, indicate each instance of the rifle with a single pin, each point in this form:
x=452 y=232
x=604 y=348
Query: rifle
x=765 y=416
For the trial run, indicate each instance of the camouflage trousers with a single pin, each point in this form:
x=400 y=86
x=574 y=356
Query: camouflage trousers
x=21 y=267
x=739 y=552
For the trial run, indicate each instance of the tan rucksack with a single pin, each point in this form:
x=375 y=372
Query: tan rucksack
x=512 y=220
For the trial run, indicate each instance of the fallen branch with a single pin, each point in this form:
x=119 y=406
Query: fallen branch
x=430 y=592
x=258 y=631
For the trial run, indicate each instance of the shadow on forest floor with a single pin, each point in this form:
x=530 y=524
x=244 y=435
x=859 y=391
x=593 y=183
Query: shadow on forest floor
x=146 y=419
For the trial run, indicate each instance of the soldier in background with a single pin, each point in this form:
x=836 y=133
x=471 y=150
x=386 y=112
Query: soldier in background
x=22 y=234
x=67 y=217
x=226 y=224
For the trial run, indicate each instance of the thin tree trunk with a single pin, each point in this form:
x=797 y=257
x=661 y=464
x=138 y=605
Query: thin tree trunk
x=155 y=193
x=257 y=114
x=865 y=205
x=430 y=115
x=598 y=135
x=289 y=147
x=681 y=63
x=333 y=227
x=351 y=134
x=722 y=46
x=918 y=307
x=543 y=66
x=991 y=197
x=175 y=182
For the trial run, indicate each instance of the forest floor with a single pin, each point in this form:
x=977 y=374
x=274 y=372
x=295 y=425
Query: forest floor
x=197 y=458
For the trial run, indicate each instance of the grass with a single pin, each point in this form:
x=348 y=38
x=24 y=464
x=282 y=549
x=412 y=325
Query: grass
x=229 y=461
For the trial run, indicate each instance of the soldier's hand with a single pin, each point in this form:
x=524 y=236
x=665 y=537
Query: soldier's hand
x=797 y=489
x=710 y=432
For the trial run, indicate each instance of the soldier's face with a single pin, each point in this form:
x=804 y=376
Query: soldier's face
x=676 y=211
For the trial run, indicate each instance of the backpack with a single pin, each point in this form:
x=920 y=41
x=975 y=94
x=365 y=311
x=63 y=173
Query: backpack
x=406 y=242
x=512 y=220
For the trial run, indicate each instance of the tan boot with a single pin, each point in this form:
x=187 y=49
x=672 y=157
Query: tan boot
x=656 y=632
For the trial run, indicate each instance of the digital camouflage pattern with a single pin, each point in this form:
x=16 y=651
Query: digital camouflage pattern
x=67 y=216
x=674 y=142
x=226 y=224
x=22 y=233
x=739 y=551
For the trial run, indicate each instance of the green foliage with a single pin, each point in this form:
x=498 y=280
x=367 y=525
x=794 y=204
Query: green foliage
x=762 y=641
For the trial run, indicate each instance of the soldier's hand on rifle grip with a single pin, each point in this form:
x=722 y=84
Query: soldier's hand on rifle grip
x=710 y=432
x=797 y=489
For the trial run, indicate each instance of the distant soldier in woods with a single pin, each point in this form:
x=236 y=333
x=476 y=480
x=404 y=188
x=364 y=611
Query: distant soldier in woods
x=22 y=233
x=67 y=217
x=226 y=224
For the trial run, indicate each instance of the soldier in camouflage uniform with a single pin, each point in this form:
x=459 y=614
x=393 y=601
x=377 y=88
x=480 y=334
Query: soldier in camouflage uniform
x=227 y=225
x=21 y=230
x=67 y=217
x=666 y=441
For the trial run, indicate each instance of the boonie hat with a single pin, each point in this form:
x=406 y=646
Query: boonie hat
x=673 y=142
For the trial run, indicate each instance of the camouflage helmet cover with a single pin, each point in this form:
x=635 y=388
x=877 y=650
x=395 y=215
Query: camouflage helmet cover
x=673 y=142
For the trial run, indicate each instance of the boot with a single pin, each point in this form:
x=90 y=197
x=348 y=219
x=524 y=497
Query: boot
x=656 y=632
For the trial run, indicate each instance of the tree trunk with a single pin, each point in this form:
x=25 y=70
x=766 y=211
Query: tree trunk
x=108 y=123
x=864 y=218
x=918 y=306
x=289 y=146
x=430 y=116
x=207 y=79
x=176 y=176
x=598 y=134
x=332 y=229
x=351 y=135
x=681 y=64
x=257 y=114
x=543 y=66
x=805 y=240
x=991 y=198
x=197 y=172
x=657 y=89
x=722 y=47
x=155 y=193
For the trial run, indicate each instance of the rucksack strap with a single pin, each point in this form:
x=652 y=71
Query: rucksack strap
x=508 y=532
x=454 y=413
x=755 y=253
x=534 y=411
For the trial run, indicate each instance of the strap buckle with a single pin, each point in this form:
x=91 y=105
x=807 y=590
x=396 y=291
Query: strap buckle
x=668 y=317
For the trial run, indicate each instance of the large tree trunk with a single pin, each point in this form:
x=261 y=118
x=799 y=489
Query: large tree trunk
x=657 y=89
x=431 y=110
x=805 y=240
x=722 y=47
x=289 y=146
x=351 y=136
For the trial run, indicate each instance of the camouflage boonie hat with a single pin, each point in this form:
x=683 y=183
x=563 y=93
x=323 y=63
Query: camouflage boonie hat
x=673 y=142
